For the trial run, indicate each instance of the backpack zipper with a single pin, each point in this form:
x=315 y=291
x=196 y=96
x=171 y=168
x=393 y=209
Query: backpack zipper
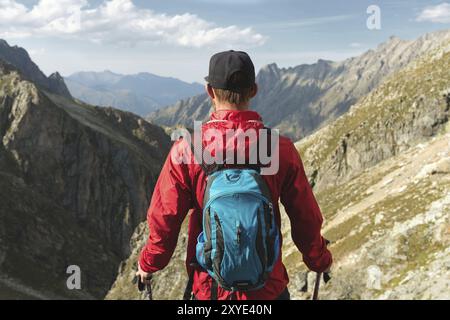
x=238 y=233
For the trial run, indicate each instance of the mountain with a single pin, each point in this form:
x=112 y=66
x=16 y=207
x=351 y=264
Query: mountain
x=409 y=107
x=139 y=93
x=75 y=181
x=300 y=100
x=20 y=58
x=381 y=175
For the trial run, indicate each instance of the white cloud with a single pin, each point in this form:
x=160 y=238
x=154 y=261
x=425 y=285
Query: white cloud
x=118 y=22
x=439 y=13
x=355 y=45
x=10 y=10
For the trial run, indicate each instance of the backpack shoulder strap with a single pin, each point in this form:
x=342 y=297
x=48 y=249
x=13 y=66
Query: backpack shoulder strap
x=207 y=169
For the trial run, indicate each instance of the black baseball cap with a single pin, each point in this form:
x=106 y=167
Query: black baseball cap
x=224 y=65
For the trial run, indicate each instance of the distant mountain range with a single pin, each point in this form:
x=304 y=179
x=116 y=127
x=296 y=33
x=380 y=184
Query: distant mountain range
x=139 y=93
x=301 y=99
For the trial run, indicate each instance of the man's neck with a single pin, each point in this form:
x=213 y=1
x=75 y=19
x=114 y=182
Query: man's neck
x=231 y=107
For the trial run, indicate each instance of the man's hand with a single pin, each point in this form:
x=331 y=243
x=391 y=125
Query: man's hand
x=327 y=275
x=145 y=277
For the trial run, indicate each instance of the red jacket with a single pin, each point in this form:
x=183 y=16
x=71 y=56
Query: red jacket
x=180 y=188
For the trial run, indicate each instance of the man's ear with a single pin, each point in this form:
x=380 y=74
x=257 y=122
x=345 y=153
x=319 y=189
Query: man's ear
x=254 y=91
x=210 y=91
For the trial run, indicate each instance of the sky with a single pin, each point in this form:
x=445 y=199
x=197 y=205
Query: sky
x=176 y=38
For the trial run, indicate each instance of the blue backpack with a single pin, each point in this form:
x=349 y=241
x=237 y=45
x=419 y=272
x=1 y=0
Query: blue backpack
x=240 y=241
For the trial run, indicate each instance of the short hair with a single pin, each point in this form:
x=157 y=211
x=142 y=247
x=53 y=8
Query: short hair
x=236 y=96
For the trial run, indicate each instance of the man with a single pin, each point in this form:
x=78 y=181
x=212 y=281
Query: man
x=181 y=187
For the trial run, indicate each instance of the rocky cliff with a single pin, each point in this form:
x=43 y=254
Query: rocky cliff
x=75 y=182
x=301 y=99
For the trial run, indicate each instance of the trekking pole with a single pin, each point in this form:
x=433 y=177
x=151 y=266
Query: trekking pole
x=326 y=278
x=188 y=295
x=144 y=287
x=317 y=287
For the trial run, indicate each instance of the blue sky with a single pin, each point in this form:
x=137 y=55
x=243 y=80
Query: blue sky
x=177 y=37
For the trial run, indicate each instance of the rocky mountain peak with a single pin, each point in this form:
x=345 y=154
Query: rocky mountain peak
x=56 y=82
x=270 y=68
x=56 y=76
x=20 y=59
